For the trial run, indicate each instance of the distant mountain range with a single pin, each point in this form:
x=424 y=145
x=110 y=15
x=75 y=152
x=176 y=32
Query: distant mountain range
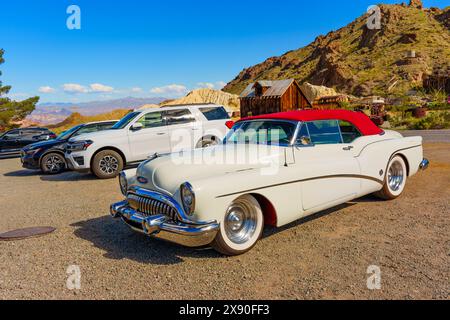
x=54 y=112
x=95 y=107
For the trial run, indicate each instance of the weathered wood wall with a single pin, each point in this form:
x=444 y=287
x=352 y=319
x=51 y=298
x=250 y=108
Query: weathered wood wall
x=292 y=99
x=256 y=106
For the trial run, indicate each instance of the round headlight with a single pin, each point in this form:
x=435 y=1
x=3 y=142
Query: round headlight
x=123 y=183
x=188 y=198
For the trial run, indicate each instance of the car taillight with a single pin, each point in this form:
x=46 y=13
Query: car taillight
x=52 y=136
x=229 y=124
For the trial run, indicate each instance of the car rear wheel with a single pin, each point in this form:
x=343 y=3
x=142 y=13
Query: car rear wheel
x=53 y=163
x=107 y=164
x=241 y=228
x=395 y=180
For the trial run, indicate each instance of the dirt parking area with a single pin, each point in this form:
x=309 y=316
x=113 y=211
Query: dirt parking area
x=324 y=256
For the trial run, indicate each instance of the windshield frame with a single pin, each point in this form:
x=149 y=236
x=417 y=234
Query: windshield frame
x=72 y=131
x=297 y=125
x=127 y=119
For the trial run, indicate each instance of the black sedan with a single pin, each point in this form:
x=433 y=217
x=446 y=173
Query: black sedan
x=12 y=141
x=48 y=156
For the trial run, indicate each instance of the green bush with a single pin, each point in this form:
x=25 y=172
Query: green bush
x=434 y=120
x=438 y=106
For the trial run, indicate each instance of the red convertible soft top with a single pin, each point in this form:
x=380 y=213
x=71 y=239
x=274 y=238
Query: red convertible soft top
x=358 y=119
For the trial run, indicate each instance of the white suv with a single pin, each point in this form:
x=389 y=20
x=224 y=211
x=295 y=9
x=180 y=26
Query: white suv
x=143 y=133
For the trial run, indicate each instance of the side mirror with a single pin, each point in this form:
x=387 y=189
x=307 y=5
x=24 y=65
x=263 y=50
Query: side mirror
x=304 y=141
x=137 y=126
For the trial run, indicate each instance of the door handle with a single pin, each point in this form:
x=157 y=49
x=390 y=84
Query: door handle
x=348 y=148
x=161 y=133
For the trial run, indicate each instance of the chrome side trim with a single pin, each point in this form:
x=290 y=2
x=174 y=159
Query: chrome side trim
x=355 y=176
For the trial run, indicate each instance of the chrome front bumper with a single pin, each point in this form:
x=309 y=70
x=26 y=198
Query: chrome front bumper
x=424 y=164
x=159 y=226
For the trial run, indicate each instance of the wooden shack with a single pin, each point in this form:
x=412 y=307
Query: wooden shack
x=264 y=96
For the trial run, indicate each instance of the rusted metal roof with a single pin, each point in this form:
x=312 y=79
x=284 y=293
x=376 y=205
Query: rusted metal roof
x=276 y=88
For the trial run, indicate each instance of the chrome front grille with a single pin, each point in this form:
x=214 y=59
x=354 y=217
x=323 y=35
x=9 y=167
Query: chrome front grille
x=150 y=207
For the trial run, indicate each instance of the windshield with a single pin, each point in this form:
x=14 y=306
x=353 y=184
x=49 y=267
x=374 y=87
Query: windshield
x=125 y=120
x=67 y=134
x=269 y=132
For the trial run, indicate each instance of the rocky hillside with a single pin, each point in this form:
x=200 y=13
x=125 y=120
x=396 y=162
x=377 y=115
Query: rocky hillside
x=228 y=100
x=359 y=61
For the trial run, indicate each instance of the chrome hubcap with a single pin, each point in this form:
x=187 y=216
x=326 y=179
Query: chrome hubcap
x=395 y=176
x=240 y=221
x=109 y=164
x=54 y=164
x=209 y=144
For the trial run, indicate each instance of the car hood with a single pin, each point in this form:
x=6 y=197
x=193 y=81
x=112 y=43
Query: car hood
x=45 y=144
x=167 y=173
x=99 y=134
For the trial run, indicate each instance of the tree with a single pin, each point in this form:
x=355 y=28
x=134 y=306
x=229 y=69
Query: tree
x=11 y=111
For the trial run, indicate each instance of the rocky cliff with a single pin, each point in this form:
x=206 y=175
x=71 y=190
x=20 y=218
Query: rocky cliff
x=411 y=43
x=231 y=101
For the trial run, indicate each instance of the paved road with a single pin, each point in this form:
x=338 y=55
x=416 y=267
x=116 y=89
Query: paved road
x=429 y=135
x=323 y=257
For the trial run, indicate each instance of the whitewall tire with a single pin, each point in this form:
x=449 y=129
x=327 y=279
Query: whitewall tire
x=395 y=179
x=241 y=228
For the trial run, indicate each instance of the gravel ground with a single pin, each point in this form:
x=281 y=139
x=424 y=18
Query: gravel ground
x=322 y=257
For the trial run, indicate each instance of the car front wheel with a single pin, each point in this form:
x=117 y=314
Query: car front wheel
x=53 y=163
x=241 y=227
x=395 y=180
x=107 y=164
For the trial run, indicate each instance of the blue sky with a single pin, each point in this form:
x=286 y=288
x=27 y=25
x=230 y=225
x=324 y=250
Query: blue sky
x=154 y=48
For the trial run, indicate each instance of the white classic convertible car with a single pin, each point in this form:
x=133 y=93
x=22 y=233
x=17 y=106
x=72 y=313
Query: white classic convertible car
x=270 y=170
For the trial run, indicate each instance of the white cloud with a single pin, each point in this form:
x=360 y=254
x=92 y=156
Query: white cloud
x=93 y=88
x=208 y=85
x=217 y=85
x=74 y=88
x=136 y=89
x=46 y=89
x=98 y=87
x=170 y=90
x=220 y=84
x=18 y=95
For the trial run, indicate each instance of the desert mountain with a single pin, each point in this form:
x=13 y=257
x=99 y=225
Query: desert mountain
x=54 y=112
x=97 y=107
x=411 y=43
x=231 y=101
